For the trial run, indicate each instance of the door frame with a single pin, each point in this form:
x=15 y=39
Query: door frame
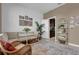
x=55 y=26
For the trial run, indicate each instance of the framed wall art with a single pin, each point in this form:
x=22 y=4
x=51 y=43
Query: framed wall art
x=25 y=21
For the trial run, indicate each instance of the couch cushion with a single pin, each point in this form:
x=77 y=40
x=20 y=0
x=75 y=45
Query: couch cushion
x=8 y=46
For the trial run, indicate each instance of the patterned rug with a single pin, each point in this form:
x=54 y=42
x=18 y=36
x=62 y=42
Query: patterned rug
x=47 y=47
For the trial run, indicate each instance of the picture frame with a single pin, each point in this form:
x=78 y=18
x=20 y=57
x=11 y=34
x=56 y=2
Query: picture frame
x=25 y=21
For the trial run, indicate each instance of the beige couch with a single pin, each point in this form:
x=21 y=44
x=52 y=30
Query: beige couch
x=12 y=37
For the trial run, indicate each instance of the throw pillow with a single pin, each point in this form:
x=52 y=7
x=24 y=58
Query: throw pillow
x=8 y=46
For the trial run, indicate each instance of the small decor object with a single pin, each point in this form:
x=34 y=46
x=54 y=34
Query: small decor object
x=30 y=18
x=40 y=30
x=76 y=20
x=26 y=17
x=22 y=22
x=21 y=17
x=26 y=30
x=62 y=28
x=62 y=25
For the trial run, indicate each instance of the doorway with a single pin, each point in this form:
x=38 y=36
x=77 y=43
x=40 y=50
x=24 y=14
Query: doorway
x=52 y=27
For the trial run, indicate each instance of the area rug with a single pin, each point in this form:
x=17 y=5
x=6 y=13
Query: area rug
x=48 y=47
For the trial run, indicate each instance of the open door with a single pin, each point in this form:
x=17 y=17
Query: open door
x=49 y=28
x=52 y=27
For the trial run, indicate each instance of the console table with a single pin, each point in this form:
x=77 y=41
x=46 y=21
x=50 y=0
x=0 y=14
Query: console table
x=27 y=38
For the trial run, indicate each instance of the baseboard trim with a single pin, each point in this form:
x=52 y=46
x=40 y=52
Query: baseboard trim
x=73 y=44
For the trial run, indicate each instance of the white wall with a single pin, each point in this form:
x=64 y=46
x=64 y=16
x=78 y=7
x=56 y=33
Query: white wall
x=46 y=28
x=10 y=17
x=0 y=19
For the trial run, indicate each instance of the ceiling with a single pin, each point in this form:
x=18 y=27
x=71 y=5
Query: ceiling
x=42 y=7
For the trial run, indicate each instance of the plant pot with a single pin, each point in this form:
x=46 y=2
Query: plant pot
x=62 y=41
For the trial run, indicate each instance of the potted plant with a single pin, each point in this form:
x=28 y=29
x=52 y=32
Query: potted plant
x=40 y=30
x=62 y=34
x=26 y=29
x=62 y=27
